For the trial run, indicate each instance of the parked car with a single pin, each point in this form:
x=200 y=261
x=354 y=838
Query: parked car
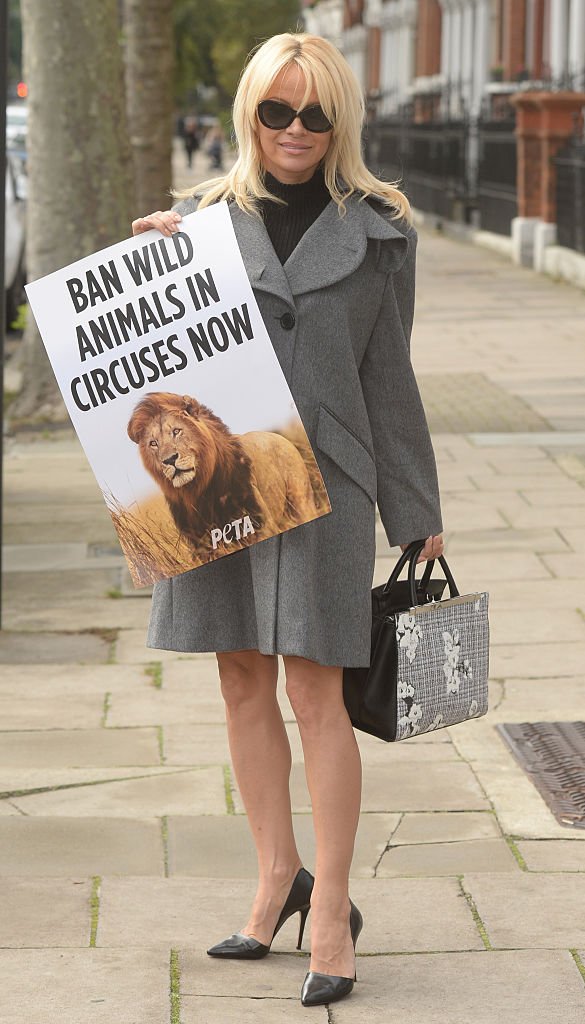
x=16 y=132
x=16 y=123
x=14 y=249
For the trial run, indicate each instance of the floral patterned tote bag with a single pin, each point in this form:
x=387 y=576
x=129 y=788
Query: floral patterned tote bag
x=429 y=665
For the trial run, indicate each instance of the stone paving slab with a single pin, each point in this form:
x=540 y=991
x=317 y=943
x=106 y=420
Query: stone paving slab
x=207 y=743
x=555 y=699
x=52 y=557
x=523 y=987
x=471 y=568
x=17 y=779
x=532 y=516
x=101 y=986
x=23 y=612
x=574 y=537
x=131 y=648
x=530 y=910
x=57 y=586
x=451 y=858
x=7 y=810
x=376 y=752
x=222 y=846
x=552 y=855
x=45 y=911
x=448 y=787
x=80 y=748
x=188 y=672
x=218 y=1010
x=198 y=744
x=147 y=705
x=48 y=648
x=30 y=711
x=63 y=847
x=277 y=976
x=445 y=827
x=540 y=483
x=538 y=660
x=534 y=626
x=520 y=809
x=567 y=494
x=63 y=681
x=200 y=791
x=566 y=566
x=59 y=524
x=543 y=540
x=198 y=911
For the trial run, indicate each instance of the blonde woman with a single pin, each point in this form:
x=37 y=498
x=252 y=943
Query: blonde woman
x=330 y=252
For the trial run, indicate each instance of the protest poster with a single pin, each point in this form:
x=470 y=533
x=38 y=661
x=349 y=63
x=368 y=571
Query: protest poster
x=177 y=396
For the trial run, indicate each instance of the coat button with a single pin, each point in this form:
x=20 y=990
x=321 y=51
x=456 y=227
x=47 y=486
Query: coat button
x=287 y=321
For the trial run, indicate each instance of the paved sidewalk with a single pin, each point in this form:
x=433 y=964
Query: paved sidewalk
x=124 y=849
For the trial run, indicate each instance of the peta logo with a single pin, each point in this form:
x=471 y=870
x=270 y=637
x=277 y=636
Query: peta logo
x=240 y=528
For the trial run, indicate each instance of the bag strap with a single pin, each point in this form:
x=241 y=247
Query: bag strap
x=393 y=577
x=410 y=554
x=453 y=591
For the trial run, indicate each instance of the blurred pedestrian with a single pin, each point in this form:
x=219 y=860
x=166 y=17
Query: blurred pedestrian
x=215 y=148
x=191 y=137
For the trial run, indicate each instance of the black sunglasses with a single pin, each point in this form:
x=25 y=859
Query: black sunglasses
x=276 y=115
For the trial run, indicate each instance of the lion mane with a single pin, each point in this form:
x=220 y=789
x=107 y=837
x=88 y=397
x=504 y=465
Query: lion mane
x=211 y=477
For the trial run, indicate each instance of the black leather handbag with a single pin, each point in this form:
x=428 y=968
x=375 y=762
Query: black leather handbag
x=429 y=656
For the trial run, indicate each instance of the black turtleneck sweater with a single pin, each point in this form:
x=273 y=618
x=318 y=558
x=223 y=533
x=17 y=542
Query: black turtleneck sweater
x=287 y=224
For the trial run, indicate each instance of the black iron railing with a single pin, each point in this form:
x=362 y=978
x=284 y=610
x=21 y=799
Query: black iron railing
x=570 y=188
x=428 y=158
x=496 y=193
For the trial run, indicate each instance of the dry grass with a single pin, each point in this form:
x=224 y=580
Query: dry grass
x=150 y=540
x=295 y=432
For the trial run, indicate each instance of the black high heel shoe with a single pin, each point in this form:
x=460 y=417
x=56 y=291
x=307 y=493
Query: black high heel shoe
x=245 y=947
x=326 y=988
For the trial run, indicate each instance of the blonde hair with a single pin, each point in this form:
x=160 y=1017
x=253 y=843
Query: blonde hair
x=341 y=97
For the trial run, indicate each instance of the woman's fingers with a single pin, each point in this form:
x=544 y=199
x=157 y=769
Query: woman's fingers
x=167 y=222
x=433 y=548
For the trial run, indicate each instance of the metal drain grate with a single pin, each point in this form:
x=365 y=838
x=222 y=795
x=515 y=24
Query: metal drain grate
x=553 y=756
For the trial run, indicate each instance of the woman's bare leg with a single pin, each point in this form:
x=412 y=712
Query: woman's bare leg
x=334 y=777
x=261 y=758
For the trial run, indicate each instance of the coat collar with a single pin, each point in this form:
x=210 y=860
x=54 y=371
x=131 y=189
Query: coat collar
x=330 y=249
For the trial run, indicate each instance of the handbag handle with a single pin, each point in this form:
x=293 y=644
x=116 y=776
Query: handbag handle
x=411 y=553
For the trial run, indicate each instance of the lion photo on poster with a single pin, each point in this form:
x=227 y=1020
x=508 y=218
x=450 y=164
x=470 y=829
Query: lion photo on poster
x=177 y=396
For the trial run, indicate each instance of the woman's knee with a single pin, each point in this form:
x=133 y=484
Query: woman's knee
x=315 y=691
x=246 y=675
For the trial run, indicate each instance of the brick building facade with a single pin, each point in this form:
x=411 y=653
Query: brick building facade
x=453 y=55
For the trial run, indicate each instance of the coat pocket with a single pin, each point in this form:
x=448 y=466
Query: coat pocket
x=346 y=450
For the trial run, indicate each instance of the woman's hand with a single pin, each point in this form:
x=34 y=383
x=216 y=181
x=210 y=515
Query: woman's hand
x=432 y=549
x=166 y=221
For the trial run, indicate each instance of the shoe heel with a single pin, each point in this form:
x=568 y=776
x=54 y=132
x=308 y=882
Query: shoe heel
x=304 y=914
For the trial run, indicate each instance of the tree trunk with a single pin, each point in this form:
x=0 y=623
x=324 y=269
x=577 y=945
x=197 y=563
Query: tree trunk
x=148 y=33
x=79 y=168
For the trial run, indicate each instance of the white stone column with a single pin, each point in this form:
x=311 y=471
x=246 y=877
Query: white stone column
x=481 y=52
x=446 y=53
x=577 y=43
x=445 y=34
x=559 y=30
x=467 y=52
x=410 y=13
x=385 y=58
x=456 y=63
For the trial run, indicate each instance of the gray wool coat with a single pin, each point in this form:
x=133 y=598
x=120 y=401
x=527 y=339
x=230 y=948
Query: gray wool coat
x=349 y=286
